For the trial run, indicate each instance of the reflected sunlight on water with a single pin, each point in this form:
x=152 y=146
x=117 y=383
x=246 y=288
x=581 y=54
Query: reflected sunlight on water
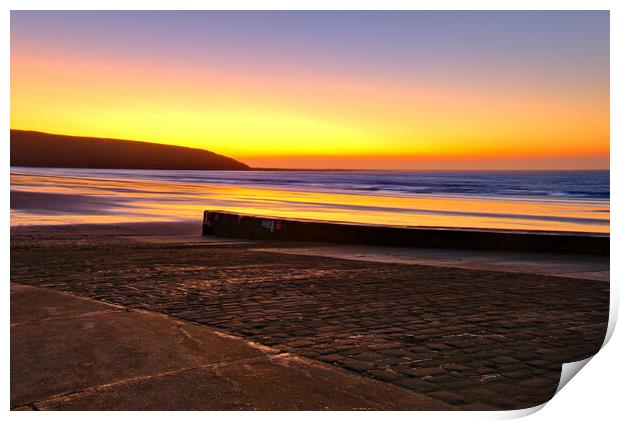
x=54 y=199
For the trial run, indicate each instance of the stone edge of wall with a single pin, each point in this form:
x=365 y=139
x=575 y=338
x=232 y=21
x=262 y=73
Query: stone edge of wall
x=254 y=227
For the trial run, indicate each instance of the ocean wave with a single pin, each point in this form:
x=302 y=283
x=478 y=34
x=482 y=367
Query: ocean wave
x=560 y=184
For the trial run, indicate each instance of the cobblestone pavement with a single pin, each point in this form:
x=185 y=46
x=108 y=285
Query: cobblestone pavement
x=475 y=339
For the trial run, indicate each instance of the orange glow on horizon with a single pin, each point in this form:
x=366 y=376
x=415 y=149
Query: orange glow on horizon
x=311 y=119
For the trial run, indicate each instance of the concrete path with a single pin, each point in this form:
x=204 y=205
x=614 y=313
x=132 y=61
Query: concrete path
x=74 y=353
x=473 y=330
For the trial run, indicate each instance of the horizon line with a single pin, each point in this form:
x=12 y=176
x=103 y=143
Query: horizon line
x=254 y=168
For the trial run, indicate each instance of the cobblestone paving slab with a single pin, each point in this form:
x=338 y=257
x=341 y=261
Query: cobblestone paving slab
x=475 y=339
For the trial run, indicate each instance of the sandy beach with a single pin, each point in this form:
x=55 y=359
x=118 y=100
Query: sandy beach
x=473 y=332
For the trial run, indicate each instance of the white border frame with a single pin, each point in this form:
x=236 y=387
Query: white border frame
x=592 y=394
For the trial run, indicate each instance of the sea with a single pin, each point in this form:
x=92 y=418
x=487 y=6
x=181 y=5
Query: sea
x=525 y=200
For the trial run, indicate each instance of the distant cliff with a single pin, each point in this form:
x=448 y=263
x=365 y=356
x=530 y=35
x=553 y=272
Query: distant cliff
x=36 y=149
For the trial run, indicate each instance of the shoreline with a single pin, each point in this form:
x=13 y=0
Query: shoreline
x=53 y=197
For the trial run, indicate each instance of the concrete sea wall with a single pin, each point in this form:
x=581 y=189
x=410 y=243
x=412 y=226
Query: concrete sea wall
x=234 y=225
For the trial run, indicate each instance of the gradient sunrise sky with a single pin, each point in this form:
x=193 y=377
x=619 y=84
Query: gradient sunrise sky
x=350 y=89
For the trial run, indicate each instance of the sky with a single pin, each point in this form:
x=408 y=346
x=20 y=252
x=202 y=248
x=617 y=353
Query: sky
x=325 y=89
